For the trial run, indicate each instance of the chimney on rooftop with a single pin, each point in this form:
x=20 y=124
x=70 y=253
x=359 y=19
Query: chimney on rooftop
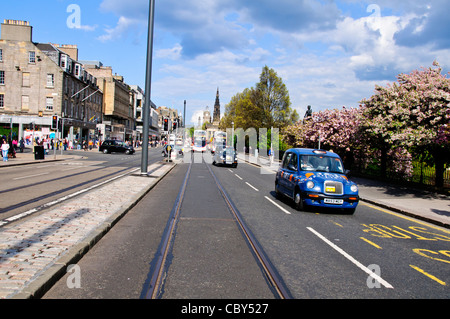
x=16 y=30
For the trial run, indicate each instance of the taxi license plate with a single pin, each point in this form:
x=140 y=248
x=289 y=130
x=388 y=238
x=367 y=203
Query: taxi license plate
x=333 y=201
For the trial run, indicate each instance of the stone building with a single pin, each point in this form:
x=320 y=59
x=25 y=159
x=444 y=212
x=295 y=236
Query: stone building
x=39 y=80
x=118 y=101
x=139 y=103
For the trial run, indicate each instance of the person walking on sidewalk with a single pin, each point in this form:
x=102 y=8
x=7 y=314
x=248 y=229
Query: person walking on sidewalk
x=21 y=145
x=5 y=149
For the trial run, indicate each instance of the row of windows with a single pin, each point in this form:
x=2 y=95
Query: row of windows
x=31 y=56
x=26 y=102
x=69 y=109
x=26 y=79
x=50 y=83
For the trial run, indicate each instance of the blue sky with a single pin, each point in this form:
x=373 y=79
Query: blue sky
x=329 y=53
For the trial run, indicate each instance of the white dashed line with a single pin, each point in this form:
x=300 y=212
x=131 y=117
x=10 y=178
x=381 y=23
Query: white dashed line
x=29 y=176
x=284 y=210
x=252 y=186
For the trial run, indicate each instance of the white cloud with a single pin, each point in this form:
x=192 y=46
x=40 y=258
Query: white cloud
x=327 y=59
x=122 y=29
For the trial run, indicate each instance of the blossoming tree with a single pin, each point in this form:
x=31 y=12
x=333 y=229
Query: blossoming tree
x=336 y=130
x=412 y=113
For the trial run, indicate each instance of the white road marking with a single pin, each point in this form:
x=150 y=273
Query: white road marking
x=284 y=210
x=59 y=200
x=252 y=186
x=29 y=176
x=353 y=260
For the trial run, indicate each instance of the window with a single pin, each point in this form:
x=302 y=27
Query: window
x=321 y=164
x=26 y=79
x=2 y=77
x=2 y=100
x=1 y=55
x=49 y=104
x=25 y=102
x=286 y=159
x=63 y=61
x=66 y=86
x=77 y=70
x=31 y=57
x=50 y=80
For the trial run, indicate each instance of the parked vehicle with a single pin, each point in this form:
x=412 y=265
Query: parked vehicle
x=116 y=146
x=312 y=177
x=225 y=156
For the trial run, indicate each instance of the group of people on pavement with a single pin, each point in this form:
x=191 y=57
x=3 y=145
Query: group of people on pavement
x=9 y=147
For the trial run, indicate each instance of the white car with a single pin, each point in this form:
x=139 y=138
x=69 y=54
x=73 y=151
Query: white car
x=225 y=156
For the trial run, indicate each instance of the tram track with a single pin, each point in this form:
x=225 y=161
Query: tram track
x=153 y=289
x=53 y=196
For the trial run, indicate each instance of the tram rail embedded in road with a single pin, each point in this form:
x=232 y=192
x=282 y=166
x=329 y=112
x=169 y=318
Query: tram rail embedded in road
x=154 y=285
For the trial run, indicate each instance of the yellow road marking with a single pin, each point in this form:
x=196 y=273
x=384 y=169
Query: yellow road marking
x=370 y=242
x=405 y=217
x=428 y=275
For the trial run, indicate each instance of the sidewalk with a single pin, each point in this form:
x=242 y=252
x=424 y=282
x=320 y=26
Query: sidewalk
x=36 y=252
x=27 y=157
x=421 y=204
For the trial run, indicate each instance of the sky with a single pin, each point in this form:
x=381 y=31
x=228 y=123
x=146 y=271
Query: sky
x=329 y=53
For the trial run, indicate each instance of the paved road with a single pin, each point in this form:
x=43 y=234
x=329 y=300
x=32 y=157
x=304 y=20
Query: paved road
x=374 y=253
x=32 y=186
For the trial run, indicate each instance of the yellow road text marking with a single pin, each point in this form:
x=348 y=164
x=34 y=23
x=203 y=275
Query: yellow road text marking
x=370 y=242
x=405 y=217
x=428 y=275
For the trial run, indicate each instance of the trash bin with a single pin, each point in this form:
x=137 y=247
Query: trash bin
x=39 y=153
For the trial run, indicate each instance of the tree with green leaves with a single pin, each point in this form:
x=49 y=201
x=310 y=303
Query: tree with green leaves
x=265 y=106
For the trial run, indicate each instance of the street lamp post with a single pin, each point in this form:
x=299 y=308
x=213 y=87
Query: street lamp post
x=148 y=87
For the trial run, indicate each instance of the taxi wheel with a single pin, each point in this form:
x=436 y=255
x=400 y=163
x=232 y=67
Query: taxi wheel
x=298 y=201
x=277 y=192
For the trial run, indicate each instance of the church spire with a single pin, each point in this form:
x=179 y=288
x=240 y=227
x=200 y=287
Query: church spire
x=216 y=114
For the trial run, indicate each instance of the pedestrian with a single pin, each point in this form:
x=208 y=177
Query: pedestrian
x=5 y=149
x=21 y=145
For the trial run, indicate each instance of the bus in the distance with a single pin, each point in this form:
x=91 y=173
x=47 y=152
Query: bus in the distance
x=199 y=141
x=219 y=140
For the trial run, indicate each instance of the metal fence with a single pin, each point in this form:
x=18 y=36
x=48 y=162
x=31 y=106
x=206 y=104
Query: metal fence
x=425 y=175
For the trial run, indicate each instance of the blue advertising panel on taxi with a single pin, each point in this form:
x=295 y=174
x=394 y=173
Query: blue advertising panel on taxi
x=313 y=177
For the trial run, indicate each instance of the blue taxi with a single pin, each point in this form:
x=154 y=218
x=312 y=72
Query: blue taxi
x=314 y=177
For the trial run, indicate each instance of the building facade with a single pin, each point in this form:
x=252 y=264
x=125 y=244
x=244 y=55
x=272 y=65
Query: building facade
x=39 y=80
x=139 y=103
x=118 y=103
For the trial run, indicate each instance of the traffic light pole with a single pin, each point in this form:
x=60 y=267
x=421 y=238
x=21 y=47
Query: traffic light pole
x=55 y=142
x=148 y=89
